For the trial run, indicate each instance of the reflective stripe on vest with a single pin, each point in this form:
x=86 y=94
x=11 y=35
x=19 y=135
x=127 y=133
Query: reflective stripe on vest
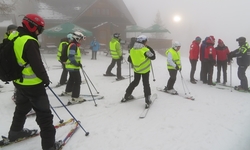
x=68 y=64
x=141 y=63
x=113 y=51
x=175 y=56
x=29 y=77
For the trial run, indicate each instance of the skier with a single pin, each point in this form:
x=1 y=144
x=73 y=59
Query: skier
x=173 y=65
x=63 y=44
x=202 y=52
x=221 y=53
x=116 y=54
x=73 y=65
x=94 y=46
x=243 y=61
x=140 y=56
x=193 y=57
x=209 y=61
x=31 y=92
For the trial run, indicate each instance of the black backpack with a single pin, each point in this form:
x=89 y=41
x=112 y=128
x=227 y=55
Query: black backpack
x=64 y=56
x=9 y=68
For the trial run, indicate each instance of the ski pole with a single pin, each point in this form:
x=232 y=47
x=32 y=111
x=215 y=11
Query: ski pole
x=152 y=71
x=86 y=133
x=84 y=74
x=184 y=85
x=231 y=76
x=61 y=121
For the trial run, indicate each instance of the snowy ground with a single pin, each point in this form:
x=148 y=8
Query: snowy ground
x=217 y=119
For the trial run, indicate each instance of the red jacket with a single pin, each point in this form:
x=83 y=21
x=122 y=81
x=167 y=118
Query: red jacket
x=222 y=53
x=210 y=53
x=194 y=51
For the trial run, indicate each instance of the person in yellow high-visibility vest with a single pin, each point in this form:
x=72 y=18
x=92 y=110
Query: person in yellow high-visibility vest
x=31 y=92
x=63 y=46
x=173 y=65
x=140 y=56
x=116 y=54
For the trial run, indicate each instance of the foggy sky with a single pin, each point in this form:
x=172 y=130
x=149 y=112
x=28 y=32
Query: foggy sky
x=224 y=19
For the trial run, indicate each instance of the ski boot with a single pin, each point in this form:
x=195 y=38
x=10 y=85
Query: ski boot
x=148 y=101
x=127 y=98
x=58 y=145
x=24 y=133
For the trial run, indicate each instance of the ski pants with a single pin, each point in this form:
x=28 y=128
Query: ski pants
x=172 y=79
x=223 y=65
x=111 y=66
x=208 y=72
x=193 y=69
x=74 y=83
x=135 y=82
x=242 y=76
x=202 y=71
x=28 y=97
x=94 y=55
x=64 y=74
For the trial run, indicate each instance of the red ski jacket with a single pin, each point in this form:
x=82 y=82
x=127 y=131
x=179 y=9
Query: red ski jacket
x=194 y=51
x=222 y=53
x=210 y=53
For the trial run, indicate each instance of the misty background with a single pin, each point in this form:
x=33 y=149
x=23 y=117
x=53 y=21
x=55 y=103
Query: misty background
x=224 y=19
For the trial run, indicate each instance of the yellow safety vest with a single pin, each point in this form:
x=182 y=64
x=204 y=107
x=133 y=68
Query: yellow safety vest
x=115 y=53
x=69 y=65
x=59 y=52
x=175 y=56
x=140 y=62
x=29 y=77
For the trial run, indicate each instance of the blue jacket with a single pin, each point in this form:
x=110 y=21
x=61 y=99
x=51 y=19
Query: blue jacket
x=94 y=45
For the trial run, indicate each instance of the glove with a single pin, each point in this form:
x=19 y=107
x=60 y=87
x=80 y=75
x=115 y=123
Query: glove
x=79 y=65
x=46 y=84
x=121 y=58
x=177 y=67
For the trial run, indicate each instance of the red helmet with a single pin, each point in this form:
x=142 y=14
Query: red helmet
x=33 y=22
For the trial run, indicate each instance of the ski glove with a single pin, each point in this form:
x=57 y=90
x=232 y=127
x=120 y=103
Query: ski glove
x=80 y=65
x=121 y=58
x=177 y=67
x=47 y=84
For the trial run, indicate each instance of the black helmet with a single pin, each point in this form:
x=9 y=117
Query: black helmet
x=116 y=35
x=11 y=27
x=241 y=39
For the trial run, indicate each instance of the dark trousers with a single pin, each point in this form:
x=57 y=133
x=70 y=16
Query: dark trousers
x=94 y=55
x=74 y=83
x=64 y=75
x=208 y=69
x=202 y=71
x=242 y=77
x=135 y=82
x=193 y=69
x=172 y=78
x=111 y=66
x=223 y=65
x=34 y=97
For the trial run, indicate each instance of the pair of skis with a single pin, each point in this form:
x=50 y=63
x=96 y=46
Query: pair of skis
x=146 y=108
x=184 y=96
x=5 y=141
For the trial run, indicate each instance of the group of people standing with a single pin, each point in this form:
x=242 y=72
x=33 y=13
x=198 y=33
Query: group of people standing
x=218 y=56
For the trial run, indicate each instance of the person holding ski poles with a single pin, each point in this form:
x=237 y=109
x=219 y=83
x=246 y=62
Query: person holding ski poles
x=173 y=65
x=140 y=56
x=243 y=61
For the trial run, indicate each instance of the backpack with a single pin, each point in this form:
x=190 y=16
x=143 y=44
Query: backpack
x=64 y=55
x=9 y=68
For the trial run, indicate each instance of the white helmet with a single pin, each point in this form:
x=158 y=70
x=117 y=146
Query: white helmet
x=176 y=44
x=141 y=39
x=78 y=36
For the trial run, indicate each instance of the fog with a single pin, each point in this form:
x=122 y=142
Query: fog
x=224 y=19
